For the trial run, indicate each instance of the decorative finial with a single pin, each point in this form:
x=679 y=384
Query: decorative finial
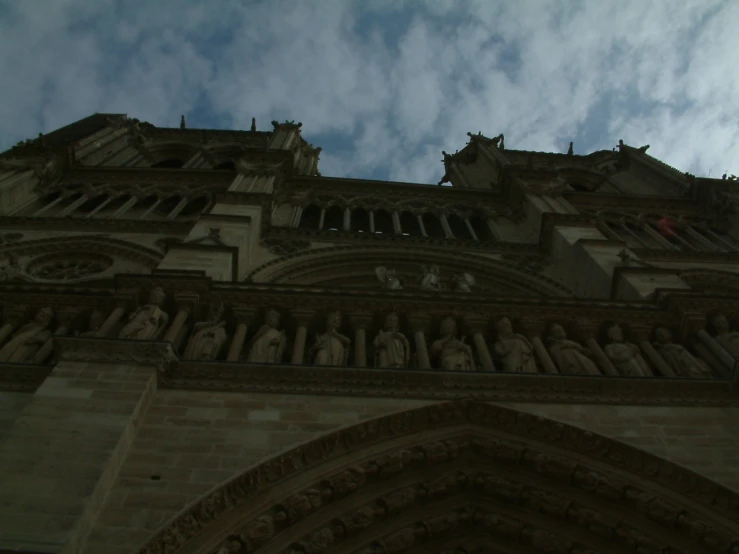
x=253 y=123
x=644 y=148
x=183 y=125
x=570 y=150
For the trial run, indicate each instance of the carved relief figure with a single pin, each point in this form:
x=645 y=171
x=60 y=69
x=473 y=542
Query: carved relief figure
x=570 y=356
x=389 y=278
x=391 y=346
x=453 y=354
x=728 y=339
x=626 y=356
x=430 y=278
x=207 y=338
x=29 y=338
x=514 y=349
x=97 y=318
x=268 y=345
x=148 y=321
x=331 y=348
x=463 y=282
x=678 y=357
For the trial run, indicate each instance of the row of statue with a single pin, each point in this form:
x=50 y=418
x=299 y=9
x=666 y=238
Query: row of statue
x=513 y=351
x=429 y=279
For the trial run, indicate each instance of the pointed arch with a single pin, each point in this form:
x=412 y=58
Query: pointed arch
x=458 y=475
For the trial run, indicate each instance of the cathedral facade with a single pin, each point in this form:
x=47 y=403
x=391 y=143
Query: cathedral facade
x=206 y=347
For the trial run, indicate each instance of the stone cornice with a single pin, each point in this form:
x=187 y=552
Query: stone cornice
x=181 y=226
x=441 y=385
x=98 y=350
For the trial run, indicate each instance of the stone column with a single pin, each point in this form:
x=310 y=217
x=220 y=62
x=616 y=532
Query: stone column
x=477 y=326
x=322 y=218
x=396 y=223
x=48 y=206
x=303 y=319
x=151 y=208
x=127 y=206
x=64 y=319
x=74 y=205
x=420 y=325
x=237 y=344
x=656 y=360
x=447 y=228
x=372 y=221
x=347 y=219
x=176 y=325
x=640 y=337
x=100 y=206
x=13 y=320
x=361 y=322
x=113 y=319
x=604 y=363
x=716 y=349
x=718 y=367
x=178 y=208
x=543 y=355
x=421 y=225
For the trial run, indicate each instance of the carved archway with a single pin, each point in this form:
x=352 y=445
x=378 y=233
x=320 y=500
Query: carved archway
x=458 y=477
x=353 y=266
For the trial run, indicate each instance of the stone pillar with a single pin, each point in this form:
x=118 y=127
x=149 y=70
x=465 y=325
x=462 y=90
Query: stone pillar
x=322 y=218
x=604 y=363
x=47 y=207
x=420 y=326
x=372 y=221
x=176 y=325
x=151 y=208
x=69 y=469
x=543 y=355
x=74 y=205
x=656 y=360
x=478 y=338
x=113 y=319
x=178 y=208
x=470 y=229
x=127 y=206
x=640 y=337
x=716 y=349
x=361 y=322
x=396 y=223
x=237 y=344
x=421 y=225
x=64 y=319
x=446 y=227
x=347 y=219
x=100 y=206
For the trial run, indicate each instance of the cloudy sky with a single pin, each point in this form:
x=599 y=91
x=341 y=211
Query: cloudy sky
x=385 y=85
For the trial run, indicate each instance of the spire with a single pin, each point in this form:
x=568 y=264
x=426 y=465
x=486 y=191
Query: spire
x=253 y=123
x=570 y=150
x=182 y=123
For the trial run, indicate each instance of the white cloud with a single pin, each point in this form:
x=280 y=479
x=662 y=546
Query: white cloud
x=400 y=80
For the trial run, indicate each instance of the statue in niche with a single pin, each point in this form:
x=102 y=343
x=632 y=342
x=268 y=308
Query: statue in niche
x=728 y=339
x=453 y=354
x=570 y=356
x=463 y=282
x=11 y=270
x=515 y=350
x=207 y=337
x=331 y=348
x=391 y=346
x=626 y=356
x=430 y=278
x=268 y=345
x=148 y=321
x=389 y=278
x=678 y=357
x=97 y=318
x=29 y=338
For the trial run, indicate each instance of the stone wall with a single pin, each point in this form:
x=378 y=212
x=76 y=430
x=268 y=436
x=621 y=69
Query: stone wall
x=191 y=442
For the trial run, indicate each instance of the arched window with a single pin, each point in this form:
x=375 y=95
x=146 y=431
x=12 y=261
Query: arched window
x=433 y=226
x=409 y=225
x=310 y=217
x=194 y=206
x=360 y=220
x=166 y=206
x=481 y=228
x=384 y=223
x=458 y=227
x=169 y=163
x=333 y=220
x=229 y=164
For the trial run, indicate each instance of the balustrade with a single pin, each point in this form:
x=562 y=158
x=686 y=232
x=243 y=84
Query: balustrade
x=363 y=339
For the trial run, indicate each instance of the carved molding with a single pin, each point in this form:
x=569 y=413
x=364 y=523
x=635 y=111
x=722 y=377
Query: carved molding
x=150 y=353
x=284 y=247
x=392 y=483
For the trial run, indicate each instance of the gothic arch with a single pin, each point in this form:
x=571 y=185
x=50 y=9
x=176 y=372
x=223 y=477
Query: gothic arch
x=458 y=477
x=353 y=266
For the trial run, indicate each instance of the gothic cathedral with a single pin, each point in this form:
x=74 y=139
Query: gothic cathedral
x=206 y=347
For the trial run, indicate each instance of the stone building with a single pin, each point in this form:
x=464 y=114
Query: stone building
x=207 y=347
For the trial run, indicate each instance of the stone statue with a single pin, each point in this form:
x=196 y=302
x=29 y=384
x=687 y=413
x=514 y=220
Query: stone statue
x=207 y=338
x=12 y=270
x=626 y=356
x=389 y=278
x=29 y=338
x=678 y=357
x=391 y=346
x=97 y=318
x=148 y=321
x=268 y=345
x=728 y=339
x=430 y=279
x=515 y=350
x=331 y=348
x=463 y=282
x=253 y=124
x=570 y=356
x=453 y=354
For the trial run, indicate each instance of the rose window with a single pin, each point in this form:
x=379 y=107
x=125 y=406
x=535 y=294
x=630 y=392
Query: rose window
x=68 y=267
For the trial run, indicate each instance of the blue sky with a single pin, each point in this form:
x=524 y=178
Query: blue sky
x=385 y=85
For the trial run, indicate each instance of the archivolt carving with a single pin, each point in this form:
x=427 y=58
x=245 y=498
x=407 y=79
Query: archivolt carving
x=337 y=263
x=447 y=474
x=91 y=244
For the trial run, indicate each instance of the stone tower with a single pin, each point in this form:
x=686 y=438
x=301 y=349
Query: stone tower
x=207 y=347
